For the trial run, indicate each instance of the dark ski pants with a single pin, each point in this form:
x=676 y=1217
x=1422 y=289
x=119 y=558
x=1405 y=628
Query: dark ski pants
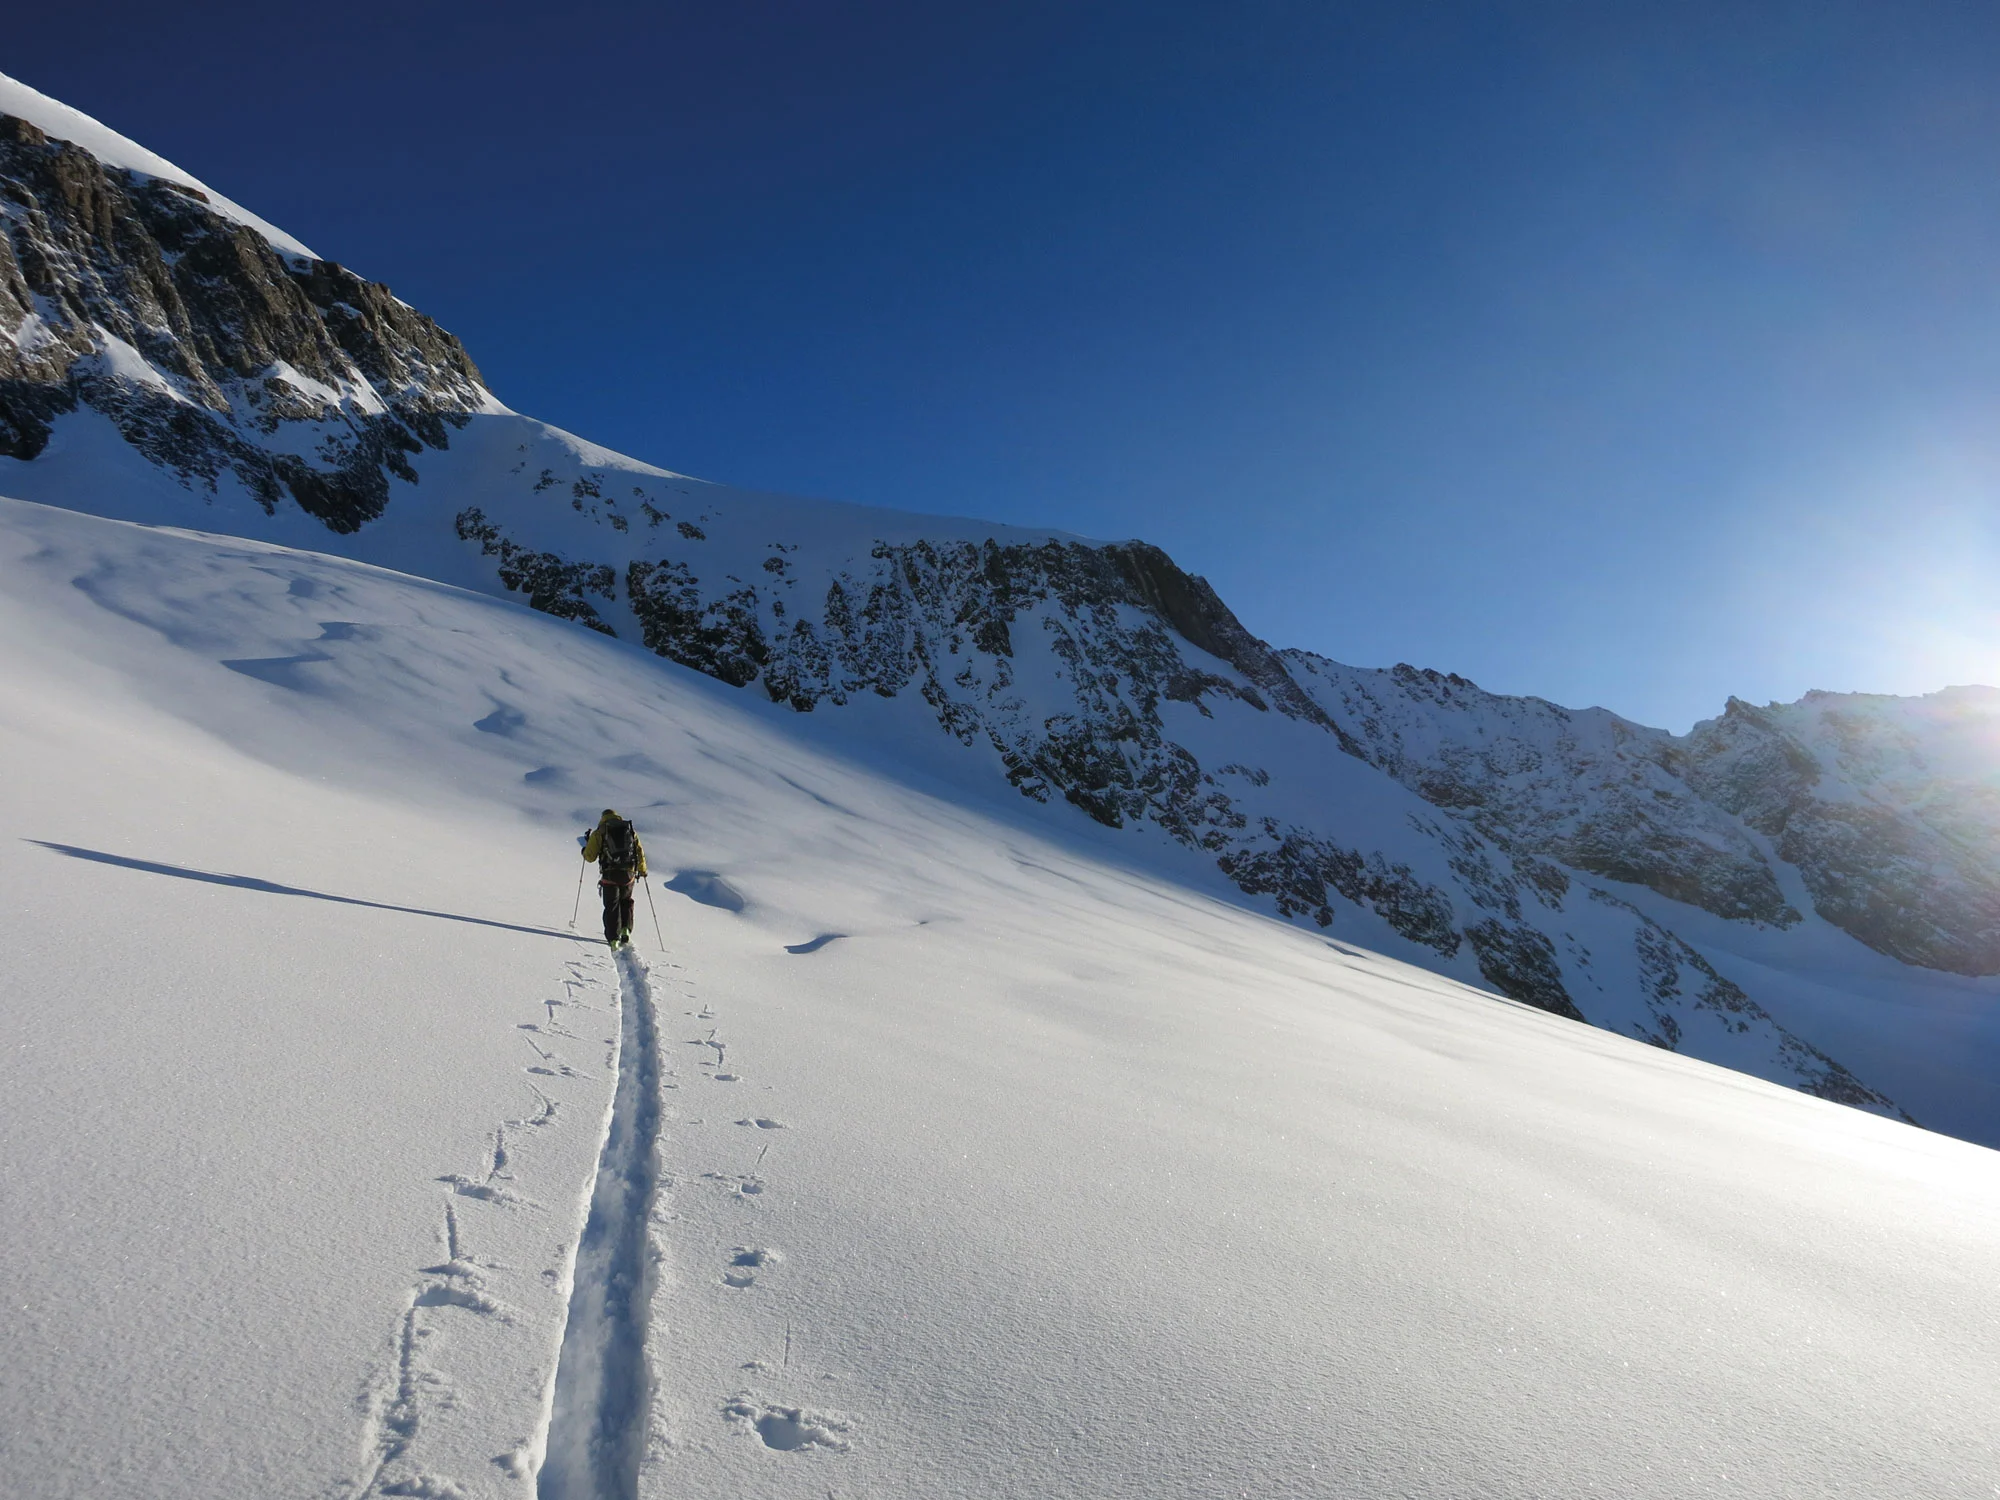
x=617 y=909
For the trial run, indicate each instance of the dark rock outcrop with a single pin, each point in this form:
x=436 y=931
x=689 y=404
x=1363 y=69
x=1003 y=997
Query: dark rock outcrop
x=552 y=583
x=201 y=343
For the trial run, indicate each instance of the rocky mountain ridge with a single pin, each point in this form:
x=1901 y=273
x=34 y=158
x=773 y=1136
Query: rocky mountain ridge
x=1886 y=807
x=1506 y=841
x=206 y=347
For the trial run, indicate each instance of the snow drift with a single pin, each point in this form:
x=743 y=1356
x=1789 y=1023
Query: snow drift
x=1071 y=1066
x=989 y=1159
x=1805 y=894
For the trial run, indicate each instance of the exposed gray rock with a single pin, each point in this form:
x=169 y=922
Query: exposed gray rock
x=202 y=343
x=1900 y=853
x=553 y=584
x=1595 y=791
x=1669 y=969
x=1836 y=786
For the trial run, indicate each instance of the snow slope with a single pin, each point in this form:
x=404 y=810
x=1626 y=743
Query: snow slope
x=1054 y=706
x=159 y=363
x=1773 y=840
x=954 y=1150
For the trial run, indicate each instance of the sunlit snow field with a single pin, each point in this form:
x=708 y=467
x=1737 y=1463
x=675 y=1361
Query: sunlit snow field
x=992 y=1160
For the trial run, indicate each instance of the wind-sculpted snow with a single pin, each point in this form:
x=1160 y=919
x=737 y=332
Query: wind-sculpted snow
x=170 y=362
x=978 y=1148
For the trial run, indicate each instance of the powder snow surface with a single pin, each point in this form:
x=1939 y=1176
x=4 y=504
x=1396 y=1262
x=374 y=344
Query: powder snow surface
x=954 y=1149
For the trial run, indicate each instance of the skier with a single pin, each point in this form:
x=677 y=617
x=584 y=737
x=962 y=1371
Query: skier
x=614 y=847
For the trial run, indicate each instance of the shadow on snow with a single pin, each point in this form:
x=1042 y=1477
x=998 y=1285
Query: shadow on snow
x=271 y=887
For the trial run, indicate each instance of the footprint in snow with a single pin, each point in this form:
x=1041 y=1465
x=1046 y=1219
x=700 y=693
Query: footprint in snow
x=485 y=1192
x=746 y=1187
x=720 y=1049
x=746 y=1262
x=545 y=1110
x=790 y=1429
x=517 y=1463
x=463 y=1268
x=551 y=1066
x=471 y=1301
x=424 y=1487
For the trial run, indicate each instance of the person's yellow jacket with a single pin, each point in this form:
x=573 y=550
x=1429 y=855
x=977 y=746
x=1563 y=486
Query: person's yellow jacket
x=593 y=844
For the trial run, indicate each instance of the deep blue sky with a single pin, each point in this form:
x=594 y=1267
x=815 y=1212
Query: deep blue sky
x=1633 y=355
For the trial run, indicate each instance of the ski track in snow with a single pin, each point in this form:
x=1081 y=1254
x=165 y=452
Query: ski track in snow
x=603 y=1388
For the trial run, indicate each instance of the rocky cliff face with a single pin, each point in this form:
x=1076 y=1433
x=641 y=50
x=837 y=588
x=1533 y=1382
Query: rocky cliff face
x=1588 y=788
x=1105 y=676
x=210 y=351
x=1502 y=840
x=1889 y=810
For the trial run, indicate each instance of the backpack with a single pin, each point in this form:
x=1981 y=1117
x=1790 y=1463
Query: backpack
x=618 y=847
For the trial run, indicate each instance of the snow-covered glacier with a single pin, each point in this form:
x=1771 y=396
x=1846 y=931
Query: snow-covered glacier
x=175 y=359
x=986 y=1154
x=1092 y=1052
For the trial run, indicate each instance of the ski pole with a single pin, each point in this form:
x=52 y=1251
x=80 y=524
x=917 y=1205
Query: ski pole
x=648 y=884
x=577 y=905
